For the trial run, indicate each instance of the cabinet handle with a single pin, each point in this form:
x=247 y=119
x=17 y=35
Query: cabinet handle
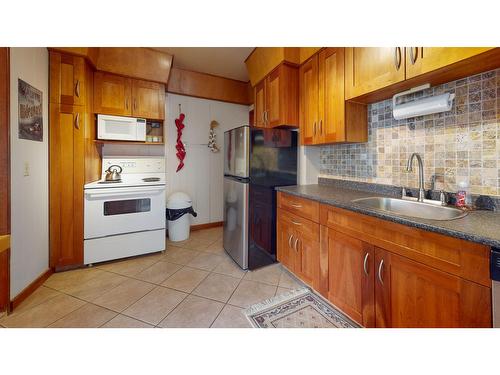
x=295 y=244
x=365 y=262
x=314 y=127
x=320 y=126
x=290 y=240
x=126 y=103
x=77 y=121
x=380 y=272
x=296 y=223
x=397 y=57
x=296 y=205
x=413 y=56
x=77 y=88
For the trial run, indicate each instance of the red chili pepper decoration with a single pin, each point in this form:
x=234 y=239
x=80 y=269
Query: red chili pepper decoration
x=181 y=151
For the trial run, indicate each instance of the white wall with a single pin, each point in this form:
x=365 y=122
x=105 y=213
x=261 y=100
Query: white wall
x=30 y=194
x=309 y=164
x=203 y=174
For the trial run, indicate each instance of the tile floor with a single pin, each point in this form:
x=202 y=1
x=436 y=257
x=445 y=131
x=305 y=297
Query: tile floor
x=192 y=284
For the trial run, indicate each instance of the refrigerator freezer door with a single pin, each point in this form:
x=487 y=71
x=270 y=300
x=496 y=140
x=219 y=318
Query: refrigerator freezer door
x=235 y=238
x=236 y=152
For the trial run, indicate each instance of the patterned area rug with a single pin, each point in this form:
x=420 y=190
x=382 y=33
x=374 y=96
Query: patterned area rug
x=299 y=308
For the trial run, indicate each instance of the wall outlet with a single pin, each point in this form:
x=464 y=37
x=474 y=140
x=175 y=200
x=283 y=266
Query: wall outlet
x=26 y=169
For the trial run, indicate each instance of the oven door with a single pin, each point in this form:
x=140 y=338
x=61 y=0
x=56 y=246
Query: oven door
x=112 y=211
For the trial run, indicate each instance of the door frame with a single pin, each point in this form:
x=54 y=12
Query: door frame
x=5 y=179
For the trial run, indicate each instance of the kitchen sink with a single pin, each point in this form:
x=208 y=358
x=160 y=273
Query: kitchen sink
x=411 y=208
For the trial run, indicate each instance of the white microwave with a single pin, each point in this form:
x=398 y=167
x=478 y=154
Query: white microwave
x=119 y=128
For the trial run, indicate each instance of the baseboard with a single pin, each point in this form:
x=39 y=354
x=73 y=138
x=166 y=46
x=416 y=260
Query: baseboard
x=26 y=292
x=207 y=225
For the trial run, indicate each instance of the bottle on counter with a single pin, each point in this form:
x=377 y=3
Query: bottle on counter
x=463 y=194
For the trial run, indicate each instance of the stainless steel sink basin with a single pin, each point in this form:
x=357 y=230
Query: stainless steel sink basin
x=411 y=208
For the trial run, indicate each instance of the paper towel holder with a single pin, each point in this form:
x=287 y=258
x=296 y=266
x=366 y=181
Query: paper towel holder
x=421 y=107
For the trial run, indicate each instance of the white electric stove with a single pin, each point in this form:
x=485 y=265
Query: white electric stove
x=127 y=217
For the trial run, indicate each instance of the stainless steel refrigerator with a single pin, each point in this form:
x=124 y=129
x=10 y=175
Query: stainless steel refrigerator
x=255 y=162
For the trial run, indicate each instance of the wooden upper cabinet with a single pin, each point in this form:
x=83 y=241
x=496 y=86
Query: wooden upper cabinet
x=411 y=295
x=260 y=105
x=112 y=94
x=351 y=277
x=276 y=98
x=67 y=79
x=368 y=69
x=420 y=60
x=148 y=99
x=308 y=88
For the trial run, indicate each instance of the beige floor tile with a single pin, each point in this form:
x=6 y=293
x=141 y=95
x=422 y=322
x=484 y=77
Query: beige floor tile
x=44 y=314
x=251 y=292
x=91 y=289
x=197 y=244
x=133 y=266
x=124 y=295
x=211 y=234
x=206 y=261
x=63 y=280
x=155 y=306
x=179 y=255
x=216 y=248
x=231 y=317
x=39 y=296
x=186 y=279
x=230 y=268
x=288 y=281
x=87 y=316
x=217 y=287
x=122 y=321
x=193 y=312
x=267 y=275
x=158 y=272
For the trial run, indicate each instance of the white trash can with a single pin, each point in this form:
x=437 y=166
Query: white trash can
x=179 y=206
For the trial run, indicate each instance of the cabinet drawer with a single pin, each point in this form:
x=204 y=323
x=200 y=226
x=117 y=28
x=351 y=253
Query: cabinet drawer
x=305 y=208
x=455 y=256
x=306 y=228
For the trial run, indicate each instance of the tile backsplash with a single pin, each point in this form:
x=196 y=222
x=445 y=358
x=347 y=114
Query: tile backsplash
x=460 y=145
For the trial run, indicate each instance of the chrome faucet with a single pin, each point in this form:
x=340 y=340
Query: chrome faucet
x=421 y=191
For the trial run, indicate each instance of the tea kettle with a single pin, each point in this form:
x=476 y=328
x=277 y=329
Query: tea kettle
x=113 y=173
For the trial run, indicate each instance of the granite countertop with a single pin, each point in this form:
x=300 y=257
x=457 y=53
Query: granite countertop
x=478 y=226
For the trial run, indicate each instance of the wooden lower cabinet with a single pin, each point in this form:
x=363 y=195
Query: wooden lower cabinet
x=284 y=236
x=351 y=277
x=411 y=295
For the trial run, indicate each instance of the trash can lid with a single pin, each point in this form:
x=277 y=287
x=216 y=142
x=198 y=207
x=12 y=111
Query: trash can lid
x=179 y=200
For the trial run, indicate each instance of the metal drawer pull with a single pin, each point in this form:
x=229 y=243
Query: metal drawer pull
x=364 y=263
x=413 y=56
x=380 y=272
x=397 y=58
x=296 y=205
x=77 y=88
x=296 y=223
x=295 y=244
x=290 y=240
x=77 y=121
x=320 y=126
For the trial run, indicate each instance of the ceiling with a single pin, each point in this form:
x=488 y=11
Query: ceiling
x=226 y=62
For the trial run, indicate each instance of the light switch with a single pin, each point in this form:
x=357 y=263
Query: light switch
x=26 y=169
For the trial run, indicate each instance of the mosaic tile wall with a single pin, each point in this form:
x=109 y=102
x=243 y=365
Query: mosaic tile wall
x=462 y=144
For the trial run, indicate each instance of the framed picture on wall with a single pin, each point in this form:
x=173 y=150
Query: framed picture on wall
x=30 y=112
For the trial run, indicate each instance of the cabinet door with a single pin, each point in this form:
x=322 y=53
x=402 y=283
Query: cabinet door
x=307 y=254
x=371 y=68
x=331 y=96
x=66 y=184
x=273 y=105
x=286 y=236
x=67 y=79
x=351 y=277
x=412 y=295
x=148 y=100
x=112 y=94
x=260 y=105
x=308 y=108
x=421 y=60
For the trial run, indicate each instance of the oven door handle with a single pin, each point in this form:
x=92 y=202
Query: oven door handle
x=112 y=193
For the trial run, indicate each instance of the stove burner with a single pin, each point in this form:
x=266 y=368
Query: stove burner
x=151 y=179
x=109 y=182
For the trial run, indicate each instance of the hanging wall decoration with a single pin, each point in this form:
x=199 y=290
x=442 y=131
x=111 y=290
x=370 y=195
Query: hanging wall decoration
x=181 y=151
x=212 y=141
x=30 y=112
